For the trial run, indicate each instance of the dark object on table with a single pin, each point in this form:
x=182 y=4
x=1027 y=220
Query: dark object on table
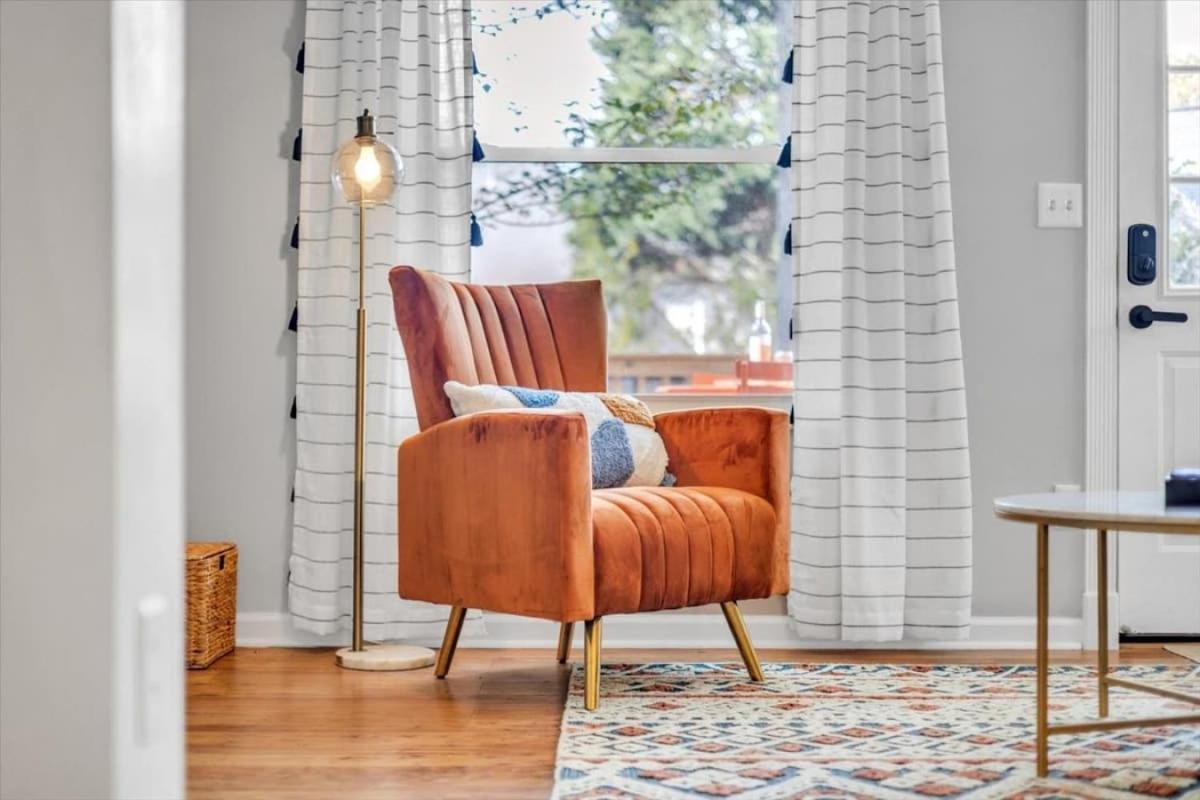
x=1183 y=487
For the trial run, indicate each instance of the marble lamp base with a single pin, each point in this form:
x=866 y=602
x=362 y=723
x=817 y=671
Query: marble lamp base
x=385 y=657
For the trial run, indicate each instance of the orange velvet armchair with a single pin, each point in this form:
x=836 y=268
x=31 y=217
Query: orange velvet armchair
x=497 y=510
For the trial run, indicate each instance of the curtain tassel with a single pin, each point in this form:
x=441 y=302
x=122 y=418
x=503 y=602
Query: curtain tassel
x=294 y=323
x=296 y=235
x=296 y=148
x=477 y=153
x=787 y=68
x=476 y=232
x=300 y=59
x=785 y=155
x=787 y=242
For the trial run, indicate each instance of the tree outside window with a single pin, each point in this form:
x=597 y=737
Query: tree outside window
x=635 y=141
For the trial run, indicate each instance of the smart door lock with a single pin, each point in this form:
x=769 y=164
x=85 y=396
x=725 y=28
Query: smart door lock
x=1141 y=252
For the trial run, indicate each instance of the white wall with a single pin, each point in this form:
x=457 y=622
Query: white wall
x=243 y=106
x=56 y=486
x=90 y=413
x=1015 y=85
x=1015 y=80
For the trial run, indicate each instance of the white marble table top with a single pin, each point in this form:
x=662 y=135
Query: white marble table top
x=1125 y=511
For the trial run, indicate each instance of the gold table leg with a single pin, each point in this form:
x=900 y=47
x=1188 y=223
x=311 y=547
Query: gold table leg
x=1103 y=679
x=1043 y=643
x=1102 y=619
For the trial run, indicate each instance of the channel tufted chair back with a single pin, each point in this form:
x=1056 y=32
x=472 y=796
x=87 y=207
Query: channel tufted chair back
x=545 y=336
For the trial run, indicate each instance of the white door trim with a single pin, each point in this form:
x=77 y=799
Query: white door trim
x=1103 y=251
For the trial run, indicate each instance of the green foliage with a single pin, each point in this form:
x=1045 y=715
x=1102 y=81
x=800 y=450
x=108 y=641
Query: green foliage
x=683 y=73
x=686 y=73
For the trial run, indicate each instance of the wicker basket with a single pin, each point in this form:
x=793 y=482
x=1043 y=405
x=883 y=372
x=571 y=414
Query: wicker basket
x=211 y=601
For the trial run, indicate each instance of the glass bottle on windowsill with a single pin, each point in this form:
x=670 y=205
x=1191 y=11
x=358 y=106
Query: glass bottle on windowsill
x=760 y=334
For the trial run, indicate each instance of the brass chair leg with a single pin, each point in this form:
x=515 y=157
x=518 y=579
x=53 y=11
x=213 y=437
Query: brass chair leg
x=591 y=664
x=565 y=631
x=449 y=641
x=737 y=627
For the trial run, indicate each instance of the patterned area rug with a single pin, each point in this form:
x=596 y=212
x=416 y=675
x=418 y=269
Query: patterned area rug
x=836 y=732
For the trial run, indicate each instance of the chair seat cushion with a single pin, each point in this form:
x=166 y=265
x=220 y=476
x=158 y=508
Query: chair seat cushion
x=660 y=547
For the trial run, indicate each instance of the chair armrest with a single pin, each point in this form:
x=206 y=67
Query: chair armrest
x=738 y=448
x=495 y=513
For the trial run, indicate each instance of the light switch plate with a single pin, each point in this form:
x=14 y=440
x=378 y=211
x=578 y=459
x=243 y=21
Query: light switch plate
x=1060 y=205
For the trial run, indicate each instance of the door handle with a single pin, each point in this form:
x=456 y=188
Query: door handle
x=1145 y=316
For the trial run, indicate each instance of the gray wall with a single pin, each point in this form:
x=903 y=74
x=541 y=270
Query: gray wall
x=243 y=106
x=56 y=403
x=1015 y=82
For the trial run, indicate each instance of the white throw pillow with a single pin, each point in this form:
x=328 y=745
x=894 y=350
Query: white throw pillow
x=626 y=449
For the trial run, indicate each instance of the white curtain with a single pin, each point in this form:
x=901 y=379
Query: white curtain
x=881 y=490
x=409 y=62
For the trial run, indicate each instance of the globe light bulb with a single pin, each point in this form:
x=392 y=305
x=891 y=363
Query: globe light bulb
x=366 y=169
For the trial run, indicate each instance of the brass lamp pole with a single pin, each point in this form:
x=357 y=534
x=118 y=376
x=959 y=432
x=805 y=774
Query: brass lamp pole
x=367 y=171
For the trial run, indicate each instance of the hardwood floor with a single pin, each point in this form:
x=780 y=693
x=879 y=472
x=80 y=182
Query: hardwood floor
x=276 y=723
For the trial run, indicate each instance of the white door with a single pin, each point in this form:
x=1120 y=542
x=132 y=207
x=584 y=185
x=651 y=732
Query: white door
x=1159 y=370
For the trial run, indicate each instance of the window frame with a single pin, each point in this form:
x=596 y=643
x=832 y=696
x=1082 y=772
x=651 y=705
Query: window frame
x=1168 y=288
x=766 y=154
x=761 y=154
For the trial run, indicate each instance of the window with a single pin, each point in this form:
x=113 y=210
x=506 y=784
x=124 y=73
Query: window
x=1183 y=144
x=636 y=141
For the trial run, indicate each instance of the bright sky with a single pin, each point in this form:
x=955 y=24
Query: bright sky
x=539 y=71
x=1183 y=31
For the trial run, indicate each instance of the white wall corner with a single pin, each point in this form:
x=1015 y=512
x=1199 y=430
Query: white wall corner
x=675 y=631
x=147 y=82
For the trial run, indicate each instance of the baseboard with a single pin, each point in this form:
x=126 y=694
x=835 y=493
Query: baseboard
x=677 y=631
x=275 y=629
x=1090 y=631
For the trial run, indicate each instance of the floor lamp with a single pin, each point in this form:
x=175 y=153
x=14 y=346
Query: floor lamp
x=367 y=171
